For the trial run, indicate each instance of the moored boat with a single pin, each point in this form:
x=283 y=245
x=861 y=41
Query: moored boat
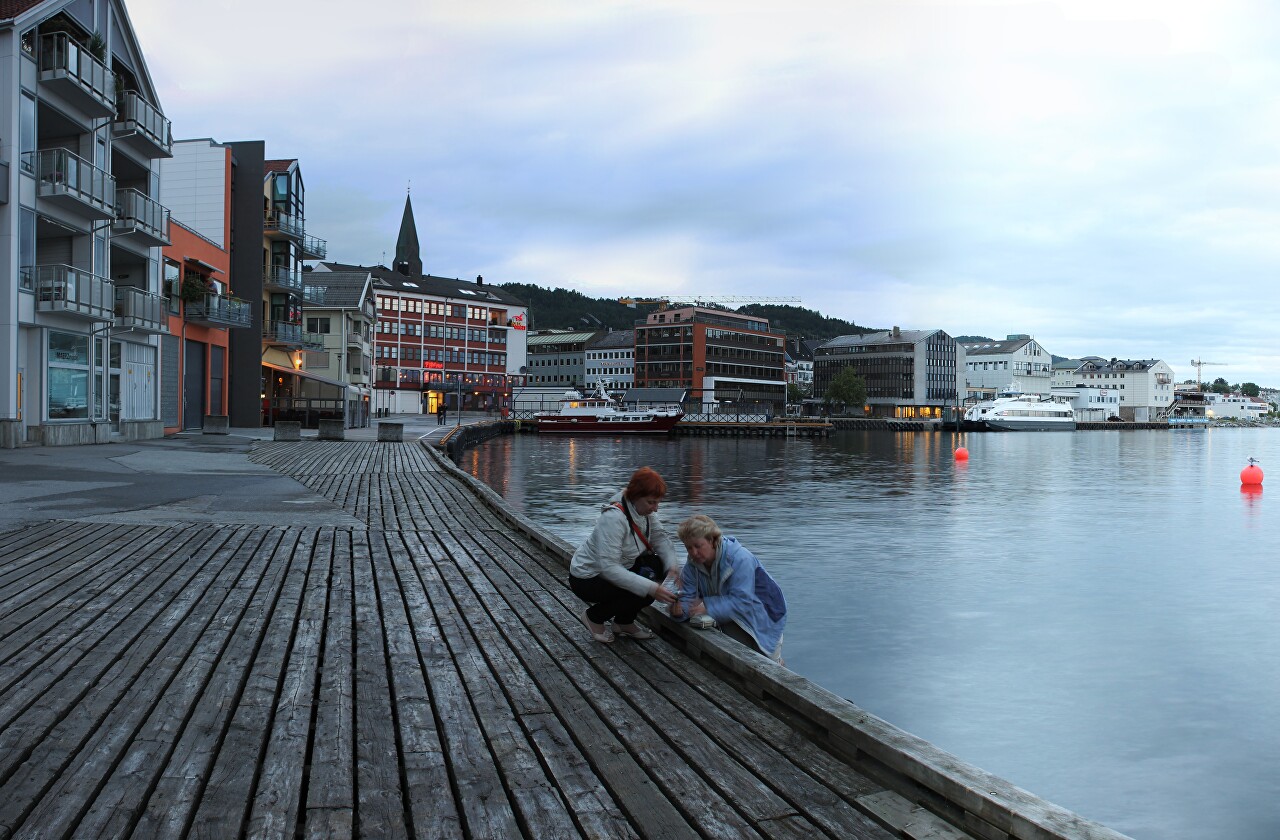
x=1022 y=413
x=601 y=414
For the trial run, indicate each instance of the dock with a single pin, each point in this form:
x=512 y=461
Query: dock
x=418 y=669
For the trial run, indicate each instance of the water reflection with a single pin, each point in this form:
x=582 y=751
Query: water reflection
x=1085 y=614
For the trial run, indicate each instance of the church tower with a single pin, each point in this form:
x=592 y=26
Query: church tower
x=408 y=257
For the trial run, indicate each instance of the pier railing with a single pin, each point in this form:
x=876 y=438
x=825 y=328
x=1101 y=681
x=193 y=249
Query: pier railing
x=916 y=774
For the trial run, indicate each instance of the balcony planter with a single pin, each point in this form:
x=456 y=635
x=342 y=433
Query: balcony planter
x=193 y=290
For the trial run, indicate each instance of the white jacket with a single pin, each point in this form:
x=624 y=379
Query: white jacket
x=613 y=547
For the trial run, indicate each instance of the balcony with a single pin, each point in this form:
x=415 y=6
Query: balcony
x=282 y=226
x=70 y=291
x=141 y=125
x=137 y=309
x=313 y=248
x=280 y=279
x=314 y=295
x=219 y=311
x=75 y=74
x=291 y=335
x=71 y=182
x=143 y=218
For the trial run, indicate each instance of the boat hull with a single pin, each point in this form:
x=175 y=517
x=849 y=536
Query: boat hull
x=579 y=425
x=1030 y=425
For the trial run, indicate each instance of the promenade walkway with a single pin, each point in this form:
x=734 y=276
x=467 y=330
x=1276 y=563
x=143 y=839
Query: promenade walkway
x=388 y=658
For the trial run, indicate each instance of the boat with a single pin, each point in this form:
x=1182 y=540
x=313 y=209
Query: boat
x=599 y=413
x=1015 y=412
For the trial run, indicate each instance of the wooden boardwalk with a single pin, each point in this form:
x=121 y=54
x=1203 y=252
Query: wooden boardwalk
x=426 y=675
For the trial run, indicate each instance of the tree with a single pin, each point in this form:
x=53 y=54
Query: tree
x=847 y=389
x=796 y=392
x=1250 y=389
x=1220 y=386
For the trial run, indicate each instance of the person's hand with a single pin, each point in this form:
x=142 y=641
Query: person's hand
x=676 y=610
x=666 y=596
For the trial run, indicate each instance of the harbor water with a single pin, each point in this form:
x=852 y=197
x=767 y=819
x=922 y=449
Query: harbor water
x=1090 y=615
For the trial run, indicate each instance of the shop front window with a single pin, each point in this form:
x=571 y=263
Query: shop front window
x=68 y=393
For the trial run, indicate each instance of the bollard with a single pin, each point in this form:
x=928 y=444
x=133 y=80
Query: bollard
x=215 y=424
x=391 y=433
x=332 y=430
x=288 y=430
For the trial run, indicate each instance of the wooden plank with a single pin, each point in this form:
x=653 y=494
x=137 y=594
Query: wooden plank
x=35 y=552
x=282 y=779
x=331 y=786
x=478 y=787
x=426 y=774
x=228 y=791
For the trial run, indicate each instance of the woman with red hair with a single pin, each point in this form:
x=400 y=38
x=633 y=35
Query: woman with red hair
x=621 y=567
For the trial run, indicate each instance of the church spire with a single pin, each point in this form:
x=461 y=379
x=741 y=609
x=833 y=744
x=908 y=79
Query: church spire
x=408 y=256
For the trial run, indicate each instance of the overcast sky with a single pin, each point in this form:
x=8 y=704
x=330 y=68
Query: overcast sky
x=1104 y=176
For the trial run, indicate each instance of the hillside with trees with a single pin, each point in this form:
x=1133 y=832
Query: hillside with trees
x=568 y=309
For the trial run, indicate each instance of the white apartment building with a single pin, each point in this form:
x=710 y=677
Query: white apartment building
x=80 y=229
x=1145 y=386
x=1091 y=403
x=1018 y=363
x=1235 y=406
x=611 y=359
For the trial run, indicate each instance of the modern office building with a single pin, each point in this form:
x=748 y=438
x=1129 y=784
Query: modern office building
x=718 y=358
x=558 y=358
x=611 y=359
x=81 y=229
x=908 y=373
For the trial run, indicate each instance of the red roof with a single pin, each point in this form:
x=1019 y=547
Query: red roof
x=270 y=165
x=12 y=8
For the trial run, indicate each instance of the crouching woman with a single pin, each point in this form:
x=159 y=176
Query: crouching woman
x=725 y=581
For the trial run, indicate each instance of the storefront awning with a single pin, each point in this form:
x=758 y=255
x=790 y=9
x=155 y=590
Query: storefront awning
x=305 y=375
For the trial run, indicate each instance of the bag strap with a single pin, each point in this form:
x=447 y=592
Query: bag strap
x=622 y=507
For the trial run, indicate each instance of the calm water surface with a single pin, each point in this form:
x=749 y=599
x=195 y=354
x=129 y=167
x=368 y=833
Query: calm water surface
x=1091 y=615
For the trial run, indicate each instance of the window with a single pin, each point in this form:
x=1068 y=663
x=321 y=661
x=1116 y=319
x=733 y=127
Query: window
x=68 y=395
x=318 y=325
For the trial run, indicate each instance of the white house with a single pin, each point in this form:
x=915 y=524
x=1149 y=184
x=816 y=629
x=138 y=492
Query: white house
x=1235 y=406
x=1018 y=363
x=1145 y=385
x=1091 y=403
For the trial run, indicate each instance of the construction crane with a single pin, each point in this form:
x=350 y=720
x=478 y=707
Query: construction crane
x=1197 y=364
x=660 y=302
x=664 y=302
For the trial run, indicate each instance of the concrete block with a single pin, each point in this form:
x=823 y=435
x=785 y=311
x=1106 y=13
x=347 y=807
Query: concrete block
x=391 y=432
x=10 y=434
x=332 y=430
x=216 y=424
x=288 y=430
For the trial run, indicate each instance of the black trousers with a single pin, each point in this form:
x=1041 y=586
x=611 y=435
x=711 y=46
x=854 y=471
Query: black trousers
x=608 y=601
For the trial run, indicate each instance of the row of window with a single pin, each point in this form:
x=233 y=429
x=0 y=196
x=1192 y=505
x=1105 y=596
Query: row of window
x=445 y=355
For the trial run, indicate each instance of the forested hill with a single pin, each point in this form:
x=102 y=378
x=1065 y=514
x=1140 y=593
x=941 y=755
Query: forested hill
x=567 y=309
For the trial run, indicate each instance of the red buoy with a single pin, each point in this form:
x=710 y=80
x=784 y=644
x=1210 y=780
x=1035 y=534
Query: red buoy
x=962 y=454
x=1251 y=474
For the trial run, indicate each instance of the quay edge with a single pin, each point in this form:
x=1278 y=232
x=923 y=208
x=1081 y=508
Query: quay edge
x=916 y=773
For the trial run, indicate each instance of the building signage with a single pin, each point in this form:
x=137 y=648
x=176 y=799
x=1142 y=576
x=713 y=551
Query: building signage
x=518 y=322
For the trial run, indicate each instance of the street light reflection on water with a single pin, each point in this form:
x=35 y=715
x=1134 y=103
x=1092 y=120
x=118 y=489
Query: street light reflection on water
x=1087 y=614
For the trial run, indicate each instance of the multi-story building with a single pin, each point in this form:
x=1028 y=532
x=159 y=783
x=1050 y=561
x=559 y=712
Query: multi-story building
x=1018 y=363
x=1146 y=385
x=800 y=362
x=558 y=358
x=715 y=356
x=908 y=373
x=202 y=310
x=80 y=226
x=230 y=193
x=1235 y=406
x=611 y=359
x=341 y=312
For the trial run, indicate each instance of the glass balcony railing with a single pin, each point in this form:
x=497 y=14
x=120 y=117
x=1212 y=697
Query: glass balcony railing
x=279 y=332
x=219 y=310
x=72 y=291
x=314 y=295
x=137 y=115
x=280 y=277
x=314 y=248
x=138 y=309
x=71 y=180
x=282 y=223
x=75 y=72
x=139 y=214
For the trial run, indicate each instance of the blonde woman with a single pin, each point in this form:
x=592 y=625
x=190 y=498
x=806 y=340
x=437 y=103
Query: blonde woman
x=725 y=581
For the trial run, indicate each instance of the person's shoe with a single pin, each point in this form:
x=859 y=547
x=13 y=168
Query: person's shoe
x=633 y=631
x=599 y=632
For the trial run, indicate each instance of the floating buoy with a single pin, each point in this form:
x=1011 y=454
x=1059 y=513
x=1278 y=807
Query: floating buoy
x=962 y=454
x=1251 y=474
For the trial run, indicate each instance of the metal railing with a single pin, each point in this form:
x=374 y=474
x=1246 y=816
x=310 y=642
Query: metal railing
x=283 y=278
x=216 y=309
x=141 y=213
x=63 y=57
x=314 y=248
x=59 y=172
x=137 y=114
x=314 y=294
x=283 y=223
x=140 y=310
x=279 y=332
x=63 y=288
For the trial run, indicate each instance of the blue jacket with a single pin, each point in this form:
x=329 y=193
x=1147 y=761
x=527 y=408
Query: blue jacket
x=737 y=588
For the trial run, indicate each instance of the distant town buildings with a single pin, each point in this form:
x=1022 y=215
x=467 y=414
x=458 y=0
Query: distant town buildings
x=908 y=373
x=611 y=359
x=1018 y=363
